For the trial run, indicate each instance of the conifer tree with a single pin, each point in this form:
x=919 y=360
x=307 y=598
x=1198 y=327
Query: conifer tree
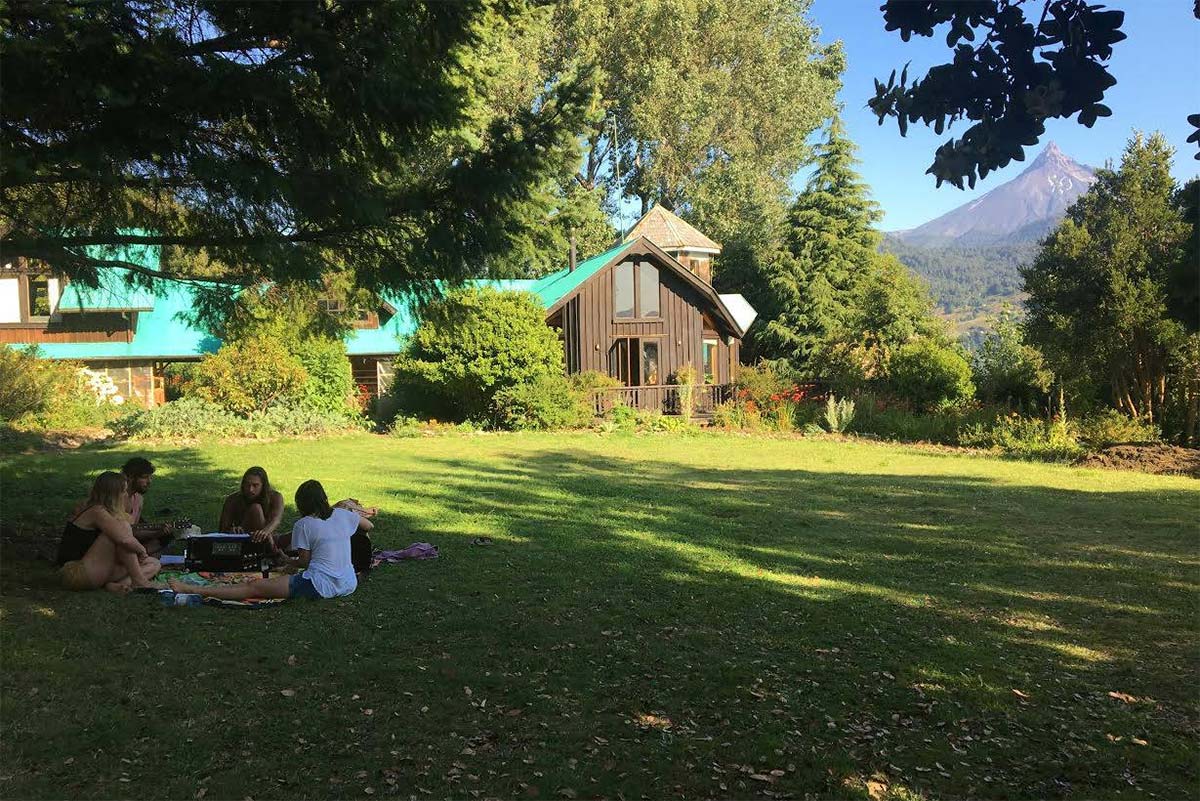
x=830 y=245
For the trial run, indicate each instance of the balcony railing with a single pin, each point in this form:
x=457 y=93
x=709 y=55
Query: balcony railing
x=663 y=398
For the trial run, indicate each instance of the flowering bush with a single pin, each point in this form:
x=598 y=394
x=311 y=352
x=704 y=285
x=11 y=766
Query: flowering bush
x=102 y=386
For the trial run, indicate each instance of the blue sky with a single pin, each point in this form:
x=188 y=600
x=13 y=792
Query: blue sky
x=1158 y=85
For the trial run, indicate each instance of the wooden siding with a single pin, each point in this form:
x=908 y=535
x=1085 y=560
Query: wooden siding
x=95 y=327
x=590 y=327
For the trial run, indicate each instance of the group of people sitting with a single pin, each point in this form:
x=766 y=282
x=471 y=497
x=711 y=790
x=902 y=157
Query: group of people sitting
x=108 y=542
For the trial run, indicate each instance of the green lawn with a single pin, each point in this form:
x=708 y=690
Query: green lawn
x=704 y=616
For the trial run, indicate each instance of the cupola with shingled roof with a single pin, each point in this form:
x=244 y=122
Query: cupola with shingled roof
x=688 y=246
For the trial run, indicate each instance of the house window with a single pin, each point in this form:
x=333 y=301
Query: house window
x=623 y=289
x=331 y=305
x=10 y=300
x=620 y=365
x=635 y=299
x=650 y=363
x=634 y=362
x=647 y=290
x=710 y=361
x=39 y=296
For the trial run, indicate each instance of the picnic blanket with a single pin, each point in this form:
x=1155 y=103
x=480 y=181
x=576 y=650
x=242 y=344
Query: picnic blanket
x=206 y=577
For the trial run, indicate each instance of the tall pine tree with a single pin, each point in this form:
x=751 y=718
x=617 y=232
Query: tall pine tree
x=830 y=245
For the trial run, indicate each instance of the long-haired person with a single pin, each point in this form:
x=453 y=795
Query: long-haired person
x=322 y=537
x=255 y=509
x=98 y=548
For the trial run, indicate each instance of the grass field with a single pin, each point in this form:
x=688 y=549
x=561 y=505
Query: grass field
x=661 y=616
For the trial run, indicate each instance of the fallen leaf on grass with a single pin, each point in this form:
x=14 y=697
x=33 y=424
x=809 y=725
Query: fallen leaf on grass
x=287 y=693
x=1129 y=699
x=291 y=660
x=1138 y=741
x=1020 y=694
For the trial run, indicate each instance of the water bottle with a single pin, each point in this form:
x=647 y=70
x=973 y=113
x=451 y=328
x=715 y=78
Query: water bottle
x=171 y=598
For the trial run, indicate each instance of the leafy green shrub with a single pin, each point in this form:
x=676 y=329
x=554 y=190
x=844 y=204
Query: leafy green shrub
x=547 y=402
x=1111 y=427
x=622 y=416
x=194 y=418
x=839 y=414
x=586 y=383
x=931 y=375
x=1023 y=436
x=759 y=382
x=330 y=384
x=50 y=394
x=674 y=424
x=27 y=385
x=178 y=379
x=250 y=376
x=736 y=414
x=300 y=419
x=183 y=418
x=904 y=425
x=1006 y=370
x=471 y=344
x=408 y=427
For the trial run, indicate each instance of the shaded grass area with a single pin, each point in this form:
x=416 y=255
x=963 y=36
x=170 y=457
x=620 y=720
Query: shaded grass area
x=685 y=616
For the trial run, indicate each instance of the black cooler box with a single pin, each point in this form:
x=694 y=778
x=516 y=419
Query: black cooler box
x=225 y=552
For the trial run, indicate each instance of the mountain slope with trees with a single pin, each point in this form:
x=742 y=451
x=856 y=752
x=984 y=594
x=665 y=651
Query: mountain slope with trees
x=972 y=255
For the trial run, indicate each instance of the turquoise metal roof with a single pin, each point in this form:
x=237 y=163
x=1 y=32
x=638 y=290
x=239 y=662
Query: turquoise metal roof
x=552 y=288
x=115 y=292
x=163 y=331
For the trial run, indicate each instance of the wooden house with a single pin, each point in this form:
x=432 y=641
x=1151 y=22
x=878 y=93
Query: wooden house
x=638 y=312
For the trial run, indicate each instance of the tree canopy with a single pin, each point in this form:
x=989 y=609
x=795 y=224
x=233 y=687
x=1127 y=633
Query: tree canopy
x=1008 y=75
x=274 y=140
x=1100 y=291
x=701 y=101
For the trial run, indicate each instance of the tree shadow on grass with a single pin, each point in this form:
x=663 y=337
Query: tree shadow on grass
x=1024 y=605
x=652 y=628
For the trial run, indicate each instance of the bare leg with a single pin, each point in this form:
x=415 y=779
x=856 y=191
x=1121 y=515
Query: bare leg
x=276 y=587
x=121 y=587
x=102 y=564
x=139 y=569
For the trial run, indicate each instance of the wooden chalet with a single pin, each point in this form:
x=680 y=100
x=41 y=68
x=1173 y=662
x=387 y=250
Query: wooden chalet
x=638 y=312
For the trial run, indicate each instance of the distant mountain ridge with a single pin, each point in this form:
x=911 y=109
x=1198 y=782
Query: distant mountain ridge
x=971 y=255
x=1021 y=210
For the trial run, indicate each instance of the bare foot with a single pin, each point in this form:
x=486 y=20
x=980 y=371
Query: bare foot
x=121 y=587
x=179 y=586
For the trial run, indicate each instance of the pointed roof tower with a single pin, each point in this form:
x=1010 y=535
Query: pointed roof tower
x=671 y=233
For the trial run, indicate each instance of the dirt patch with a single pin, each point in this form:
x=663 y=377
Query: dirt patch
x=1158 y=459
x=28 y=442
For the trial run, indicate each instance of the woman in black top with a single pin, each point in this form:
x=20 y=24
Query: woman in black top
x=98 y=548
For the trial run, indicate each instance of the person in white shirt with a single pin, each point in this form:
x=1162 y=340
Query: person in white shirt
x=322 y=537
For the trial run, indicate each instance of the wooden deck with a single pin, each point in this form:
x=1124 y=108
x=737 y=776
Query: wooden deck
x=663 y=398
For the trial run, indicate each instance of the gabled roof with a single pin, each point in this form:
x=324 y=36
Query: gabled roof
x=670 y=232
x=163 y=332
